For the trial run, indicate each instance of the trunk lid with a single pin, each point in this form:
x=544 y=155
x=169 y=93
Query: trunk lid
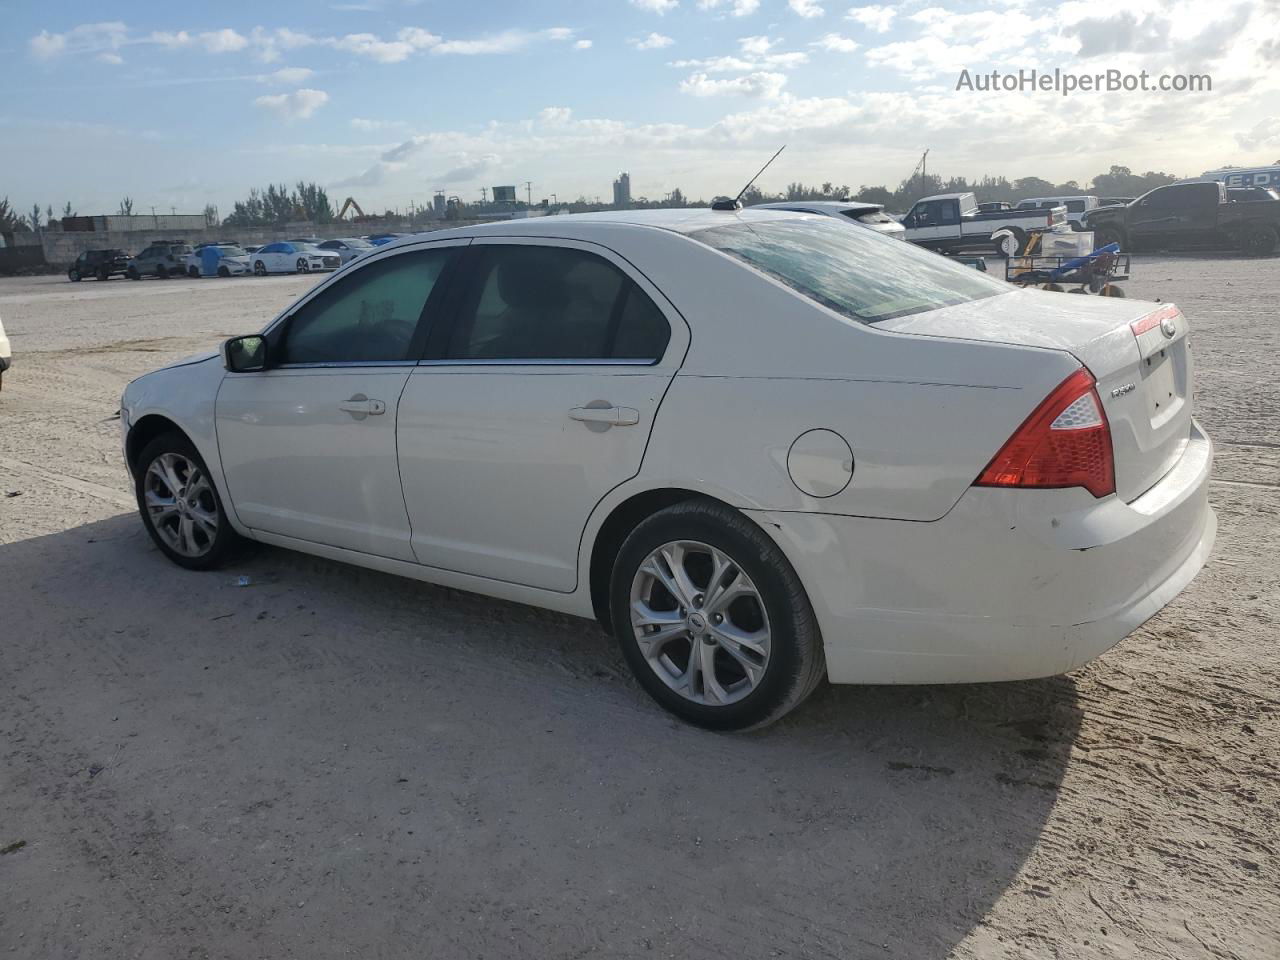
x=1137 y=351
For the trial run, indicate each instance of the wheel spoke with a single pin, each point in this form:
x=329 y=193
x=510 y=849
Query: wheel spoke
x=160 y=508
x=652 y=644
x=711 y=687
x=675 y=554
x=643 y=615
x=654 y=568
x=753 y=668
x=186 y=536
x=207 y=521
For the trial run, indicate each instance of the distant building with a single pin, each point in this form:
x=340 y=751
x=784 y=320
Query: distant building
x=438 y=204
x=622 y=190
x=504 y=194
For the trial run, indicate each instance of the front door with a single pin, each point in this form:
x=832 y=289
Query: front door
x=308 y=446
x=539 y=403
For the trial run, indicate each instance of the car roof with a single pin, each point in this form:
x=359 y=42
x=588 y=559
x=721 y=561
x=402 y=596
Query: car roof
x=947 y=196
x=827 y=206
x=594 y=226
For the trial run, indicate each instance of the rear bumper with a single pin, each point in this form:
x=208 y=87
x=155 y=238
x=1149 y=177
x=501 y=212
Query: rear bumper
x=1009 y=585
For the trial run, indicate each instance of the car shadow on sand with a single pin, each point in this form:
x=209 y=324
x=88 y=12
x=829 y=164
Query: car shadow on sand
x=434 y=773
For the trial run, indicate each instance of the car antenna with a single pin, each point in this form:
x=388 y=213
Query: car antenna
x=736 y=203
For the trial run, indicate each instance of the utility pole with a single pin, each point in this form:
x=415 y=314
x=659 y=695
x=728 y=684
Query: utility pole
x=484 y=194
x=528 y=192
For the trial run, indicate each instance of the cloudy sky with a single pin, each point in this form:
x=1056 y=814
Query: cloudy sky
x=179 y=104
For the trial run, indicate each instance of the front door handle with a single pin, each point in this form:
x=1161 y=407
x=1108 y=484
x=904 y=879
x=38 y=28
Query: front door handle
x=599 y=413
x=361 y=406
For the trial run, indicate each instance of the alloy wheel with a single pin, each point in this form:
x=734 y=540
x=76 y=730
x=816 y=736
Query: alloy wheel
x=303 y=266
x=181 y=505
x=700 y=623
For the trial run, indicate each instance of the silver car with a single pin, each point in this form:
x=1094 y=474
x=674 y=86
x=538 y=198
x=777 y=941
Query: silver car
x=347 y=247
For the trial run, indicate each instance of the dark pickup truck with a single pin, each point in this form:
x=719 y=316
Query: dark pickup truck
x=1188 y=215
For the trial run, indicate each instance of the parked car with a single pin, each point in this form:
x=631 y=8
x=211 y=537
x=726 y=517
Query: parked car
x=103 y=264
x=289 y=257
x=953 y=222
x=1114 y=201
x=870 y=215
x=164 y=258
x=994 y=206
x=348 y=247
x=1245 y=176
x=252 y=249
x=1251 y=194
x=381 y=239
x=312 y=241
x=218 y=259
x=1196 y=214
x=1076 y=206
x=759 y=447
x=6 y=354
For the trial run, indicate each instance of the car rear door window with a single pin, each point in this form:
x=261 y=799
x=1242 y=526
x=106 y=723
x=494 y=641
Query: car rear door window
x=530 y=302
x=370 y=315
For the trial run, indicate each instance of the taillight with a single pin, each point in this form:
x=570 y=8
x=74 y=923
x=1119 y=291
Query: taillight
x=1066 y=442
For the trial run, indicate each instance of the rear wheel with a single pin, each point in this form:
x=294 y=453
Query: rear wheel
x=180 y=506
x=224 y=272
x=1104 y=236
x=1011 y=244
x=1258 y=240
x=712 y=619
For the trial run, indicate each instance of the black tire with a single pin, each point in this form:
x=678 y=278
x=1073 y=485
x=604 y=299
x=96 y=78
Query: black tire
x=224 y=542
x=73 y=275
x=796 y=663
x=103 y=274
x=259 y=268
x=132 y=274
x=1258 y=240
x=193 y=273
x=224 y=272
x=162 y=273
x=303 y=266
x=1103 y=236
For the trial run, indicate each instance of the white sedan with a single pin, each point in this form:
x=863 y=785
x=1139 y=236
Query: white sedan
x=348 y=248
x=760 y=448
x=291 y=257
x=6 y=357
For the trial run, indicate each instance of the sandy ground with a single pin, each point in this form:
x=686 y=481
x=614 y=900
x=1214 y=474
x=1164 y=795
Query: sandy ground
x=335 y=763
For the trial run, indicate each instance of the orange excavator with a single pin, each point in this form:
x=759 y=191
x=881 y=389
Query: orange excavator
x=350 y=204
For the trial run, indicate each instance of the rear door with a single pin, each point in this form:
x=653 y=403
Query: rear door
x=539 y=403
x=308 y=446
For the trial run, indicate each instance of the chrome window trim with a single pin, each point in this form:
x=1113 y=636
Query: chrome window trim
x=565 y=362
x=345 y=363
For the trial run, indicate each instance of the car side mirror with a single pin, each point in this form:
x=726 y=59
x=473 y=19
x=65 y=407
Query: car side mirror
x=245 y=354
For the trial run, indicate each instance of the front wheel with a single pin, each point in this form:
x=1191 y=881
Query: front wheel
x=1258 y=240
x=224 y=272
x=103 y=274
x=73 y=275
x=1104 y=236
x=180 y=506
x=712 y=619
x=259 y=268
x=303 y=266
x=133 y=274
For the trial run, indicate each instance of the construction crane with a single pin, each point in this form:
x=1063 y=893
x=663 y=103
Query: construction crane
x=922 y=168
x=350 y=204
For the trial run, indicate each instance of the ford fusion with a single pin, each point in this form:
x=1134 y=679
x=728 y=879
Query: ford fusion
x=759 y=447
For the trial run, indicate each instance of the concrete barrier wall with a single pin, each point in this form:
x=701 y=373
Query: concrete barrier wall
x=61 y=248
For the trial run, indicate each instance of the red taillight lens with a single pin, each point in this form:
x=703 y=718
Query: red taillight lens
x=1066 y=442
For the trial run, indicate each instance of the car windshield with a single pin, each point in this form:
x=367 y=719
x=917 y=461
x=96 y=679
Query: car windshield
x=859 y=273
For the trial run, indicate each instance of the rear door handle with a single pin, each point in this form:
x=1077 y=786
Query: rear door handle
x=361 y=406
x=609 y=416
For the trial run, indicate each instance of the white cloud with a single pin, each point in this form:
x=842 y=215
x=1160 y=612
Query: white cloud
x=112 y=58
x=299 y=105
x=169 y=39
x=369 y=45
x=835 y=43
x=418 y=38
x=748 y=62
x=582 y=45
x=877 y=18
x=805 y=8
x=555 y=116
x=760 y=85
x=223 y=41
x=654 y=41
x=1265 y=134
x=369 y=126
x=739 y=8
x=289 y=76
x=755 y=46
x=85 y=38
x=509 y=41
x=656 y=6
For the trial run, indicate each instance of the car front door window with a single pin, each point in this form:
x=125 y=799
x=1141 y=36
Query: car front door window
x=369 y=316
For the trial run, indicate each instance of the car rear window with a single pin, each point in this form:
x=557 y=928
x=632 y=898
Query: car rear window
x=859 y=273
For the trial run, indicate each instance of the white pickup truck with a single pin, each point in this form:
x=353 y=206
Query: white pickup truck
x=952 y=222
